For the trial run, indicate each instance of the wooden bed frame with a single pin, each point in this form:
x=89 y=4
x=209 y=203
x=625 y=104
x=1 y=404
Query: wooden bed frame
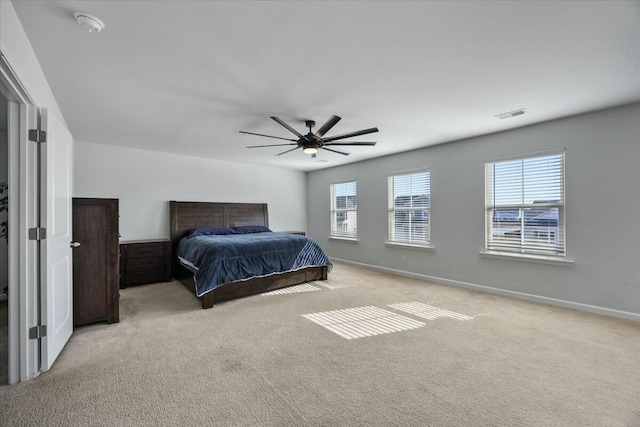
x=185 y=216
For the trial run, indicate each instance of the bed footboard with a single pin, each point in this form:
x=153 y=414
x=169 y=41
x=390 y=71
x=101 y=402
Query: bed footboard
x=257 y=285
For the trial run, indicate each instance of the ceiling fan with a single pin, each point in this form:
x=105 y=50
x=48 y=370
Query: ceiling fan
x=312 y=142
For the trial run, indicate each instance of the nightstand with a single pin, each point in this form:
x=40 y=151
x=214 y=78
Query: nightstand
x=144 y=261
x=302 y=233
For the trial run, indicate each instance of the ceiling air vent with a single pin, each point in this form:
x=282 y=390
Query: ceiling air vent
x=510 y=114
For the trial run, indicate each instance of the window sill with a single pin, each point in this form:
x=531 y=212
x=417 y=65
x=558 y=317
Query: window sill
x=427 y=248
x=344 y=239
x=539 y=259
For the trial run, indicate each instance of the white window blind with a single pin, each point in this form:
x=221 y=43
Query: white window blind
x=410 y=208
x=525 y=205
x=344 y=210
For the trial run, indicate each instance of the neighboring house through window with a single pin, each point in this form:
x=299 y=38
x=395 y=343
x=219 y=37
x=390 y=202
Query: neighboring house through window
x=410 y=208
x=525 y=205
x=344 y=210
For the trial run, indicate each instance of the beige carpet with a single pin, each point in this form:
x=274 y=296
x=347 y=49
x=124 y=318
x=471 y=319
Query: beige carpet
x=461 y=359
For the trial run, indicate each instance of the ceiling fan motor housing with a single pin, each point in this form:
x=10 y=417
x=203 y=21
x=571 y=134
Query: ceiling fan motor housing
x=310 y=147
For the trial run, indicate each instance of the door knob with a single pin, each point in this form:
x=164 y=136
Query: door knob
x=74 y=244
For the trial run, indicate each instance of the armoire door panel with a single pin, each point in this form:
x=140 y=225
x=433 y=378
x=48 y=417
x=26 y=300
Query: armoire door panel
x=95 y=262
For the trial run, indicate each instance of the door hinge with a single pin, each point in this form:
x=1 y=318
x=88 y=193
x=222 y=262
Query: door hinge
x=37 y=332
x=37 y=135
x=37 y=233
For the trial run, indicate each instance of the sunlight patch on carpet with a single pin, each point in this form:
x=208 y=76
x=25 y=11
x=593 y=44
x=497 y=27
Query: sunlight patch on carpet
x=362 y=322
x=427 y=311
x=330 y=285
x=305 y=287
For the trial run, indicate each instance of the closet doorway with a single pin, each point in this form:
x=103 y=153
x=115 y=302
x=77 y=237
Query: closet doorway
x=18 y=261
x=4 y=250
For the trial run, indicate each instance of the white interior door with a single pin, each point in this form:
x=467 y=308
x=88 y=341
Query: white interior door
x=57 y=265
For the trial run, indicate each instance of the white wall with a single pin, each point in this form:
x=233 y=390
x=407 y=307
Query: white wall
x=145 y=182
x=602 y=211
x=15 y=46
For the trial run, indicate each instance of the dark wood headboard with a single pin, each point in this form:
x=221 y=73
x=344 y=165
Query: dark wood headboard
x=185 y=216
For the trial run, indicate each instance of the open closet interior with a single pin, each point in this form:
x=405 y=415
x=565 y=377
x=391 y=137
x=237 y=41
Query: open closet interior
x=4 y=252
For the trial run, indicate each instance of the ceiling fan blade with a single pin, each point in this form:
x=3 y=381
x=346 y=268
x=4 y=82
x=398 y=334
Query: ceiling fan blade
x=350 y=134
x=351 y=143
x=268 y=136
x=270 y=145
x=327 y=126
x=285 y=152
x=335 y=151
x=286 y=126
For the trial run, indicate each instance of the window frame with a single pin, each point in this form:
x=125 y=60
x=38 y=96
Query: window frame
x=334 y=211
x=522 y=251
x=392 y=240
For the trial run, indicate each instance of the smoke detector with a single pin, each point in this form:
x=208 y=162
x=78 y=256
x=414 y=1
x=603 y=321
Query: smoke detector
x=88 y=21
x=510 y=114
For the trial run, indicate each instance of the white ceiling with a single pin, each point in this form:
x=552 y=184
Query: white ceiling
x=186 y=76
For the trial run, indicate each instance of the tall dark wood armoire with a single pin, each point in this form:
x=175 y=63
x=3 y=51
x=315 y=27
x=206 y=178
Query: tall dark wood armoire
x=96 y=271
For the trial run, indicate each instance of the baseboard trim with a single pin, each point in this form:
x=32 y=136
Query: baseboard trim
x=505 y=292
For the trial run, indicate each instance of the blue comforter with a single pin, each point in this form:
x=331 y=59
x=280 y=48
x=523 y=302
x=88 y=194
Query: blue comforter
x=216 y=260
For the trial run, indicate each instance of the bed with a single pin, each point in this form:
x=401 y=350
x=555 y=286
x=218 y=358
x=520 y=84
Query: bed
x=187 y=216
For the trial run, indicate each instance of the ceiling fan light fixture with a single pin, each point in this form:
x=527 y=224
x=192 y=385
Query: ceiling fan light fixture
x=310 y=150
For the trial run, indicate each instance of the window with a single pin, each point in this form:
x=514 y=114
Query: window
x=410 y=208
x=344 y=210
x=525 y=205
